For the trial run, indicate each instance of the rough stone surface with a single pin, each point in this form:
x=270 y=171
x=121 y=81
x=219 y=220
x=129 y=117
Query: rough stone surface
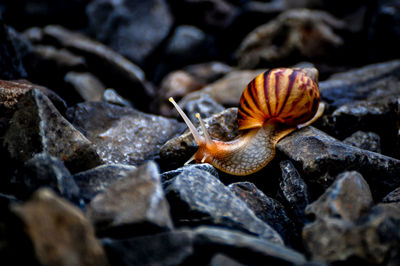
x=122 y=134
x=393 y=196
x=208 y=72
x=98 y=179
x=37 y=126
x=133 y=205
x=195 y=195
x=59 y=232
x=111 y=96
x=365 y=140
x=88 y=86
x=267 y=209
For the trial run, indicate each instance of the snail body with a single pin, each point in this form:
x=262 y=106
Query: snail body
x=272 y=105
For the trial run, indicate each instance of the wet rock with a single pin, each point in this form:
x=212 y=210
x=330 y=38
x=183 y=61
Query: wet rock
x=365 y=140
x=114 y=69
x=44 y=170
x=348 y=198
x=197 y=196
x=393 y=196
x=168 y=177
x=267 y=209
x=122 y=134
x=37 y=126
x=59 y=232
x=227 y=90
x=297 y=33
x=11 y=66
x=88 y=86
x=132 y=205
x=111 y=96
x=132 y=28
x=321 y=158
x=294 y=191
x=98 y=179
x=167 y=248
x=204 y=105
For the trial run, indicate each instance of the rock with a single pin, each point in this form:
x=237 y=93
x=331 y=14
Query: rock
x=11 y=66
x=167 y=248
x=348 y=198
x=294 y=191
x=321 y=157
x=111 y=96
x=294 y=35
x=44 y=170
x=393 y=196
x=267 y=209
x=114 y=69
x=98 y=179
x=132 y=205
x=195 y=195
x=122 y=134
x=365 y=140
x=132 y=28
x=58 y=232
x=227 y=90
x=88 y=86
x=37 y=127
x=168 y=177
x=208 y=72
x=221 y=260
x=204 y=105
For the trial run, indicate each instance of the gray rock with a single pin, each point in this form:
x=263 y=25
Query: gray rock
x=197 y=196
x=132 y=205
x=122 y=134
x=297 y=32
x=267 y=209
x=392 y=197
x=365 y=140
x=348 y=198
x=294 y=191
x=221 y=260
x=132 y=28
x=321 y=158
x=98 y=179
x=111 y=96
x=59 y=233
x=86 y=85
x=208 y=72
x=168 y=177
x=46 y=57
x=37 y=127
x=44 y=170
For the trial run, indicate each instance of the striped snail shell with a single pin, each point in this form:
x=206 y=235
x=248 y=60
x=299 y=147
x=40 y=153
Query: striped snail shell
x=272 y=105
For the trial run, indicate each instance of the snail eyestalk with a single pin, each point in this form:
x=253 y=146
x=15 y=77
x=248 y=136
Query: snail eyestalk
x=190 y=125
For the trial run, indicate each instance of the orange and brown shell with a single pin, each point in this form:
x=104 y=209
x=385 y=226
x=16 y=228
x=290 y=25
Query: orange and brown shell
x=282 y=95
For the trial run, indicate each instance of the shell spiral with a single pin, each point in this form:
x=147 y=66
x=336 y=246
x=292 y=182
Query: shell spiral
x=283 y=95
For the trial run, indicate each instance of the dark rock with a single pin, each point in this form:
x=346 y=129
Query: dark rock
x=132 y=205
x=267 y=209
x=365 y=140
x=348 y=198
x=37 y=127
x=88 y=86
x=293 y=36
x=393 y=196
x=111 y=96
x=114 y=69
x=221 y=260
x=132 y=28
x=294 y=191
x=58 y=232
x=11 y=66
x=168 y=177
x=204 y=105
x=197 y=196
x=44 y=170
x=122 y=134
x=245 y=248
x=167 y=248
x=98 y=179
x=208 y=72
x=321 y=158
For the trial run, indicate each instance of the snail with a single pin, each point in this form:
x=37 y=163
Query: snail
x=272 y=105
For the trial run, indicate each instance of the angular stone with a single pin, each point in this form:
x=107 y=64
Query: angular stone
x=392 y=197
x=111 y=96
x=86 y=85
x=168 y=177
x=59 y=232
x=132 y=205
x=321 y=158
x=267 y=209
x=167 y=248
x=296 y=33
x=208 y=72
x=37 y=126
x=221 y=260
x=294 y=191
x=98 y=179
x=132 y=28
x=122 y=134
x=195 y=195
x=365 y=140
x=44 y=170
